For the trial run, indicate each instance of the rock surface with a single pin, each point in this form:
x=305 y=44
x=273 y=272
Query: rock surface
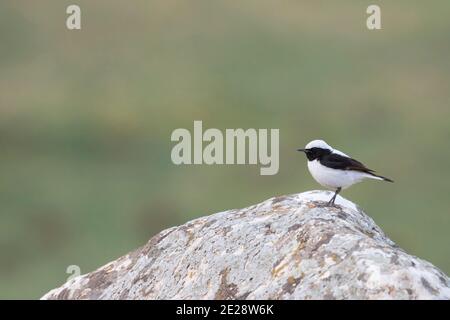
x=288 y=247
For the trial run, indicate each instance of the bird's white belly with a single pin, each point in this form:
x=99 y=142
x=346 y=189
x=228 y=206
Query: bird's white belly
x=334 y=178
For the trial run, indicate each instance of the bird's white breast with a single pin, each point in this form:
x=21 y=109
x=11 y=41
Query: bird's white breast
x=334 y=178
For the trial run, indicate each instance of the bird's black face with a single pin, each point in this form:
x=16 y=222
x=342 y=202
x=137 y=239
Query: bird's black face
x=315 y=153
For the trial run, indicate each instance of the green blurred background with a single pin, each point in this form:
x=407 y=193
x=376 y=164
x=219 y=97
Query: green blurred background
x=86 y=118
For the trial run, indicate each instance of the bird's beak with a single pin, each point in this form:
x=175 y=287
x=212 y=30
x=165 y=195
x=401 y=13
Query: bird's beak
x=302 y=150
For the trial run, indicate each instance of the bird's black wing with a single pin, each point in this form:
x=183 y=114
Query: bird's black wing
x=337 y=161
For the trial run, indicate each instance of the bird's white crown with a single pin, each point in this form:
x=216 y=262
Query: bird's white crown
x=318 y=144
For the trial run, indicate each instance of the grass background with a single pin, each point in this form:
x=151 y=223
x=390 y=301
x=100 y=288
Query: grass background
x=86 y=118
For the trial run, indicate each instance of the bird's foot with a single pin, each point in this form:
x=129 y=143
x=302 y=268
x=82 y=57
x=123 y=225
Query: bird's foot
x=331 y=204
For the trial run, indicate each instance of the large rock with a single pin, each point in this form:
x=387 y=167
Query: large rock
x=288 y=247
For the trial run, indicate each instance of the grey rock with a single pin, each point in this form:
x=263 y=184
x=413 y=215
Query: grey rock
x=288 y=247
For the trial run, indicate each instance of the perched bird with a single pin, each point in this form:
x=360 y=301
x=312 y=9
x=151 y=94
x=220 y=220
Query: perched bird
x=334 y=169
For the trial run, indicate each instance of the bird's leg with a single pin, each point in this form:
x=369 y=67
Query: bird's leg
x=331 y=202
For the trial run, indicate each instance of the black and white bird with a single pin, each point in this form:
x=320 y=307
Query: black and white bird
x=334 y=169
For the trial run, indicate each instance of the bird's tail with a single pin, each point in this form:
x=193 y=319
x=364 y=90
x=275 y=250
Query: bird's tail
x=375 y=176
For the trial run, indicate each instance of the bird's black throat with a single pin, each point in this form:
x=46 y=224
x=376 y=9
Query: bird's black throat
x=316 y=153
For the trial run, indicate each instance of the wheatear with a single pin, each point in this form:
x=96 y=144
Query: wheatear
x=334 y=169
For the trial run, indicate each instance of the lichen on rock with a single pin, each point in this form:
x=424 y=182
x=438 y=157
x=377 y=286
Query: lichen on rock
x=288 y=247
